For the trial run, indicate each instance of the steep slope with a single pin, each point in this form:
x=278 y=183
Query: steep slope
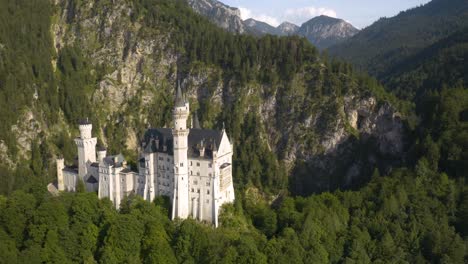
x=441 y=64
x=390 y=41
x=222 y=15
x=324 y=31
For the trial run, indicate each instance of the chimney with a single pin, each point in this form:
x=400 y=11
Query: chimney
x=202 y=148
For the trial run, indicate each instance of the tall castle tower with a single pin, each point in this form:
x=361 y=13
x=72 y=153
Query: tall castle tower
x=180 y=134
x=86 y=148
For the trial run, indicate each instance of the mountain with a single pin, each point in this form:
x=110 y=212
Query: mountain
x=389 y=41
x=440 y=65
x=222 y=15
x=287 y=29
x=324 y=31
x=259 y=28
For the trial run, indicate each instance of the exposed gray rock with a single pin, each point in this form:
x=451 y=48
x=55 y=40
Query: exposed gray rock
x=259 y=28
x=222 y=15
x=324 y=31
x=287 y=29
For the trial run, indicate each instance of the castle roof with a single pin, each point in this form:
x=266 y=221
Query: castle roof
x=156 y=138
x=91 y=179
x=196 y=123
x=179 y=101
x=116 y=160
x=84 y=121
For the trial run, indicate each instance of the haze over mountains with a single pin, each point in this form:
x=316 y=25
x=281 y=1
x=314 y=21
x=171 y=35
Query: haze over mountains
x=322 y=31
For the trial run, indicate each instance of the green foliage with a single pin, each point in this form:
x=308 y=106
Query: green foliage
x=381 y=47
x=404 y=217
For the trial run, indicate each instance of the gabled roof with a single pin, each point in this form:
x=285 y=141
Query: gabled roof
x=156 y=138
x=116 y=160
x=91 y=179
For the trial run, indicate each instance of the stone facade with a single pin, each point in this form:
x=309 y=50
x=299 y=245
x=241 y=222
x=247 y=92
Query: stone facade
x=192 y=166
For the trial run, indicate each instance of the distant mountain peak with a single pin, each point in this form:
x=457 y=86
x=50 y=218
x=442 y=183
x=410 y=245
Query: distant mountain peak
x=224 y=16
x=325 y=31
x=322 y=31
x=287 y=28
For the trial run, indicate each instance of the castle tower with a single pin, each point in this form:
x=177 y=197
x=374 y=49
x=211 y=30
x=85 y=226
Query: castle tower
x=180 y=135
x=60 y=179
x=86 y=148
x=101 y=153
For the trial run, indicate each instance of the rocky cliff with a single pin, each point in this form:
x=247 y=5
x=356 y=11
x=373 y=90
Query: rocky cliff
x=222 y=15
x=307 y=121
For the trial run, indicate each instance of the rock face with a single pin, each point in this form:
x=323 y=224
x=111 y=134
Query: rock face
x=324 y=31
x=365 y=137
x=222 y=15
x=287 y=29
x=259 y=28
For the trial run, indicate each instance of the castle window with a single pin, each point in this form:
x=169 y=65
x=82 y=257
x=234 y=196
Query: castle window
x=208 y=192
x=193 y=190
x=210 y=165
x=191 y=163
x=181 y=164
x=198 y=164
x=209 y=174
x=168 y=160
x=207 y=183
x=198 y=190
x=191 y=172
x=198 y=173
x=195 y=182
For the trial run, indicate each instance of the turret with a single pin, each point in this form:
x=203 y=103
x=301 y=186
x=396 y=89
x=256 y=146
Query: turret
x=85 y=129
x=181 y=111
x=101 y=153
x=86 y=145
x=180 y=208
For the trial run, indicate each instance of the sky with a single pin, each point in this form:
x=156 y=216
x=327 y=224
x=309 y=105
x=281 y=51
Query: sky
x=360 y=13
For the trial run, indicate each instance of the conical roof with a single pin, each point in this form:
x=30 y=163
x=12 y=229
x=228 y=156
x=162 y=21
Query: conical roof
x=196 y=123
x=179 y=101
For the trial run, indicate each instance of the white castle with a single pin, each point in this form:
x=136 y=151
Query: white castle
x=192 y=166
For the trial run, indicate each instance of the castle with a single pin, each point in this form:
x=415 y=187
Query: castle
x=192 y=166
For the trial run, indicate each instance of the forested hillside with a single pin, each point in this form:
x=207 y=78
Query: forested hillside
x=389 y=41
x=408 y=216
x=392 y=187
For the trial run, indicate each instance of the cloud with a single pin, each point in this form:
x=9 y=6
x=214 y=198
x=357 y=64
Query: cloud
x=247 y=13
x=294 y=15
x=301 y=15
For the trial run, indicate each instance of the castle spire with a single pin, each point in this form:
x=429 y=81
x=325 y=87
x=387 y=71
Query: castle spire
x=196 y=123
x=179 y=101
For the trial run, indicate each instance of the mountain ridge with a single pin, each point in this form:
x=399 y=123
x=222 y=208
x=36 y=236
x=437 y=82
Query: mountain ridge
x=322 y=31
